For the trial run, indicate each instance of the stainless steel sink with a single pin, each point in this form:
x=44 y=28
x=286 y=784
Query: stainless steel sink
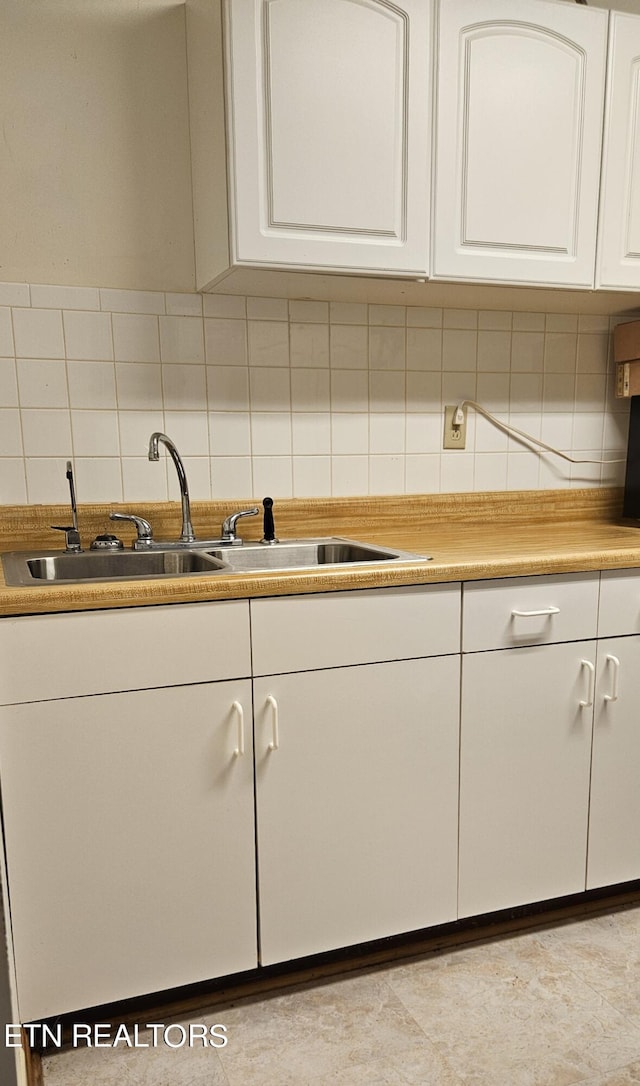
x=306 y=554
x=38 y=567
x=89 y=567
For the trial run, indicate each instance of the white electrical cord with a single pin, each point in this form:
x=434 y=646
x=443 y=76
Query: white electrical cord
x=458 y=419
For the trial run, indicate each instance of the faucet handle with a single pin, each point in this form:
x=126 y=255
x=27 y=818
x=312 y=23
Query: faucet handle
x=71 y=537
x=143 y=528
x=229 y=524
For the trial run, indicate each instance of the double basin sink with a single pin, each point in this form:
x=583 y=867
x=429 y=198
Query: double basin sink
x=93 y=566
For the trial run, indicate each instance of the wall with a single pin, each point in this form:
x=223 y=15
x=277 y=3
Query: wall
x=269 y=396
x=95 y=165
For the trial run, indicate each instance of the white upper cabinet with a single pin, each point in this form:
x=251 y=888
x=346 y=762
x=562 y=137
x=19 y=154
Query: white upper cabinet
x=520 y=104
x=327 y=117
x=619 y=238
x=329 y=133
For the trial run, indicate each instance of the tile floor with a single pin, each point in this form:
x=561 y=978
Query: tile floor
x=552 y=1007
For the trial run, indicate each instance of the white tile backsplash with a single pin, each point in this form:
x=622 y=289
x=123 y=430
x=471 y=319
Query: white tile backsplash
x=6 y=332
x=181 y=339
x=42 y=382
x=10 y=432
x=88 y=335
x=291 y=397
x=51 y=297
x=8 y=383
x=268 y=342
x=135 y=337
x=38 y=333
x=91 y=384
x=309 y=345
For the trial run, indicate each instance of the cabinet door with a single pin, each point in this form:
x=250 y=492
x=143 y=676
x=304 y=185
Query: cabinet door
x=614 y=818
x=524 y=774
x=519 y=128
x=357 y=804
x=330 y=107
x=619 y=230
x=130 y=843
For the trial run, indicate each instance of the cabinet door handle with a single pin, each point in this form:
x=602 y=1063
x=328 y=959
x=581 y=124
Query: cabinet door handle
x=239 y=711
x=535 y=614
x=590 y=688
x=615 y=664
x=275 y=738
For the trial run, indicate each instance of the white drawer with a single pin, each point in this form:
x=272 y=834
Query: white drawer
x=619 y=602
x=304 y=633
x=529 y=611
x=93 y=652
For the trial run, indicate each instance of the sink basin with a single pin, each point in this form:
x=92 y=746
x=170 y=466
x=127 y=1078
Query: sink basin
x=90 y=566
x=306 y=554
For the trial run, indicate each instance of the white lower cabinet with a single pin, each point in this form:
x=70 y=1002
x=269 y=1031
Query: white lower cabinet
x=356 y=780
x=129 y=836
x=524 y=774
x=383 y=795
x=614 y=821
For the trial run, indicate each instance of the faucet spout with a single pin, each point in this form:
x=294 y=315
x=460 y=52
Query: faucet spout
x=187 y=534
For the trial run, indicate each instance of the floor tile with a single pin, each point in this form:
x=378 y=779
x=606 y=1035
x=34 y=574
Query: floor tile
x=298 y=1037
x=604 y=950
x=513 y=1012
x=558 y=1006
x=161 y=1066
x=624 y=1076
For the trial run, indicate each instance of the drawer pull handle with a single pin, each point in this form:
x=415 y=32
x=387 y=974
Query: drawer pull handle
x=536 y=614
x=275 y=738
x=592 y=674
x=615 y=663
x=239 y=711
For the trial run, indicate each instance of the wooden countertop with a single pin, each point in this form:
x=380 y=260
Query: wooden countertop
x=469 y=536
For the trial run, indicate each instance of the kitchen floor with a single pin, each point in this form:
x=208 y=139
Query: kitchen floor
x=551 y=1007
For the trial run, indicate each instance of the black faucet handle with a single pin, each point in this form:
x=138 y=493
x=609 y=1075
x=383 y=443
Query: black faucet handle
x=269 y=532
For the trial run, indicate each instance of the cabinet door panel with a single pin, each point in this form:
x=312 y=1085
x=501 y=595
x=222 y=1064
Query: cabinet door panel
x=331 y=132
x=614 y=817
x=524 y=775
x=357 y=806
x=619 y=230
x=518 y=141
x=129 y=838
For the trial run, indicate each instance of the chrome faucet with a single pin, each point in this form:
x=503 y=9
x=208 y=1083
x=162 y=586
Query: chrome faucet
x=187 y=534
x=71 y=533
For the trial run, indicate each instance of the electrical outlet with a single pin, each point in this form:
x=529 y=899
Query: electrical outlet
x=455 y=437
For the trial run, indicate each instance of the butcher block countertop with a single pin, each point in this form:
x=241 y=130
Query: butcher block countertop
x=468 y=536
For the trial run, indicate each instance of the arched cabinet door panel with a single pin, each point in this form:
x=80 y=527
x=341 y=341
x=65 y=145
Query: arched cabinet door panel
x=329 y=133
x=619 y=237
x=519 y=129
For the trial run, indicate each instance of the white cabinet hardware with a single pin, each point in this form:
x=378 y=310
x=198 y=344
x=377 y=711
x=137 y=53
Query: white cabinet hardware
x=275 y=729
x=591 y=679
x=615 y=669
x=239 y=712
x=542 y=612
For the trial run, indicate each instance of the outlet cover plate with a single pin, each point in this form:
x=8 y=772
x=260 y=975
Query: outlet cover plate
x=455 y=437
